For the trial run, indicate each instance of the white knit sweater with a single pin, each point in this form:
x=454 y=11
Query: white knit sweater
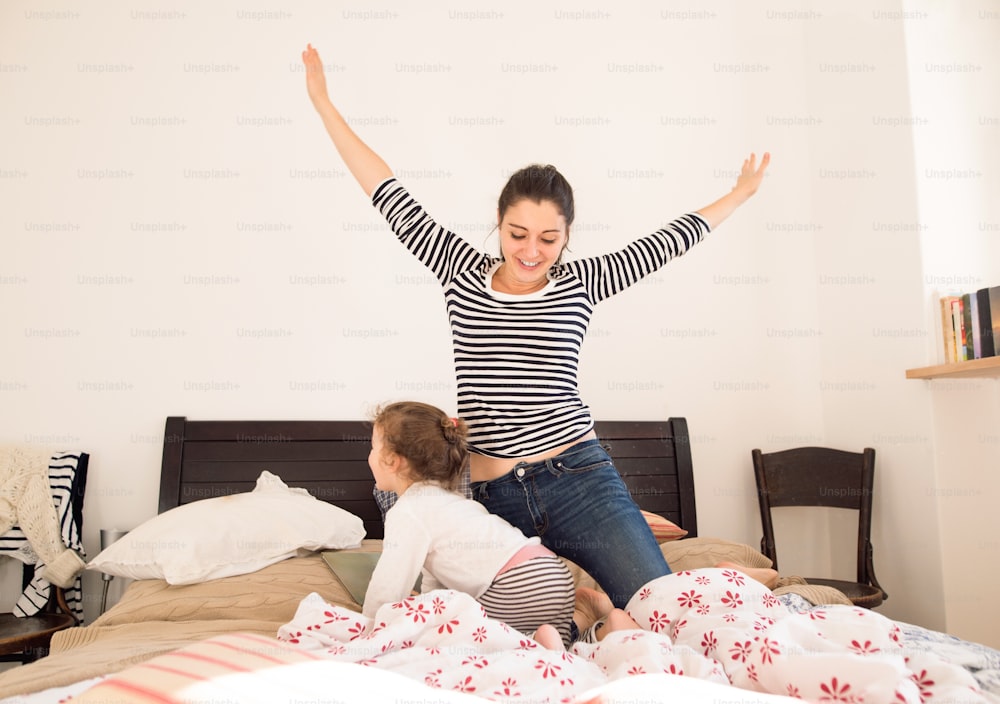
x=26 y=501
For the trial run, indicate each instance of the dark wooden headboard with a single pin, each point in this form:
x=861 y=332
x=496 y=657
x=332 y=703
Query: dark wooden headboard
x=329 y=458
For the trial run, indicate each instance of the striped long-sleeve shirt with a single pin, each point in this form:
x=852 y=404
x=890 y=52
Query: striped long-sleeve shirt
x=517 y=356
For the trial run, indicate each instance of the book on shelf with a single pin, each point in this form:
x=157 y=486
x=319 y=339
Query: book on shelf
x=958 y=322
x=948 y=328
x=987 y=310
x=970 y=324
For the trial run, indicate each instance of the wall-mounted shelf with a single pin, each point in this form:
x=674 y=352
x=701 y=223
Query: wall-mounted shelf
x=987 y=367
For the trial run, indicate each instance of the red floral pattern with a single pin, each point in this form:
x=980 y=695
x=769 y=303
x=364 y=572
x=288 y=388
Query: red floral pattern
x=710 y=624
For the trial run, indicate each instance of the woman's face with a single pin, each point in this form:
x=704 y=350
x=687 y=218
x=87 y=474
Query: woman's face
x=532 y=237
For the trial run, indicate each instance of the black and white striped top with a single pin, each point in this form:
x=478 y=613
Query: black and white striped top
x=516 y=356
x=67 y=481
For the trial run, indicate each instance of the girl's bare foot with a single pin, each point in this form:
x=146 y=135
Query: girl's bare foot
x=548 y=637
x=617 y=620
x=591 y=606
x=764 y=575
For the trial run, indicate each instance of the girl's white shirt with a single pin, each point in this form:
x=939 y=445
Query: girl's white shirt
x=452 y=541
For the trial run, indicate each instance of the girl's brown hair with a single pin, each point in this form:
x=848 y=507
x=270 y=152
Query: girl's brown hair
x=434 y=444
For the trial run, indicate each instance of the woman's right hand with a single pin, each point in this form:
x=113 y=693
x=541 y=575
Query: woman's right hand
x=364 y=164
x=315 y=78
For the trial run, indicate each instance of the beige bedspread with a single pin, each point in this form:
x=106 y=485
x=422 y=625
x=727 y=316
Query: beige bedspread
x=153 y=618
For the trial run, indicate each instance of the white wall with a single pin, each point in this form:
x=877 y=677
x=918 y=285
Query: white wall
x=952 y=54
x=183 y=239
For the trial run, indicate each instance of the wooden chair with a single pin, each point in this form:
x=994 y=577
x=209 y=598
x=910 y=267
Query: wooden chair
x=818 y=476
x=24 y=639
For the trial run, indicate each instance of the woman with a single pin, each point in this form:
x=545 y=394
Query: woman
x=518 y=322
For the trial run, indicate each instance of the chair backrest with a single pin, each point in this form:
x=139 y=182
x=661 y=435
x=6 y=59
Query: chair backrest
x=817 y=476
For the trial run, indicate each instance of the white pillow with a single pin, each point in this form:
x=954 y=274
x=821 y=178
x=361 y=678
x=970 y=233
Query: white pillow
x=230 y=535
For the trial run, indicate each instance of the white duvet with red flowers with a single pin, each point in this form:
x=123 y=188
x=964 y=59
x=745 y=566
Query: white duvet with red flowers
x=711 y=624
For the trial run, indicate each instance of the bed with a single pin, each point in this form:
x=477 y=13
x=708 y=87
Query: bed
x=227 y=606
x=204 y=459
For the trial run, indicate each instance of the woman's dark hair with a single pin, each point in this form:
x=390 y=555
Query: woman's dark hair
x=434 y=445
x=538 y=182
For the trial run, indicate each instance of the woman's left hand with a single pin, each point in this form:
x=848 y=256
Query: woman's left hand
x=747 y=184
x=751 y=174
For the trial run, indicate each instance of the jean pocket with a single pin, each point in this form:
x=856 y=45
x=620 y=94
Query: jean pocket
x=588 y=460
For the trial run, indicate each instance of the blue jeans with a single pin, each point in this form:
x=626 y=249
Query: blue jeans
x=579 y=506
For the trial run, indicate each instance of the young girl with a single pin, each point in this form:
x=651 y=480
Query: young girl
x=418 y=452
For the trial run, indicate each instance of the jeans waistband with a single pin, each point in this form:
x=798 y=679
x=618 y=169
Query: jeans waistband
x=525 y=468
x=568 y=452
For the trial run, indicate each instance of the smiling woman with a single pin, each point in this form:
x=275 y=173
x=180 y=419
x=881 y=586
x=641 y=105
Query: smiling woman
x=535 y=213
x=518 y=322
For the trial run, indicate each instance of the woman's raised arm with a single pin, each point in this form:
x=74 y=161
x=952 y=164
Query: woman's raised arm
x=367 y=167
x=747 y=184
